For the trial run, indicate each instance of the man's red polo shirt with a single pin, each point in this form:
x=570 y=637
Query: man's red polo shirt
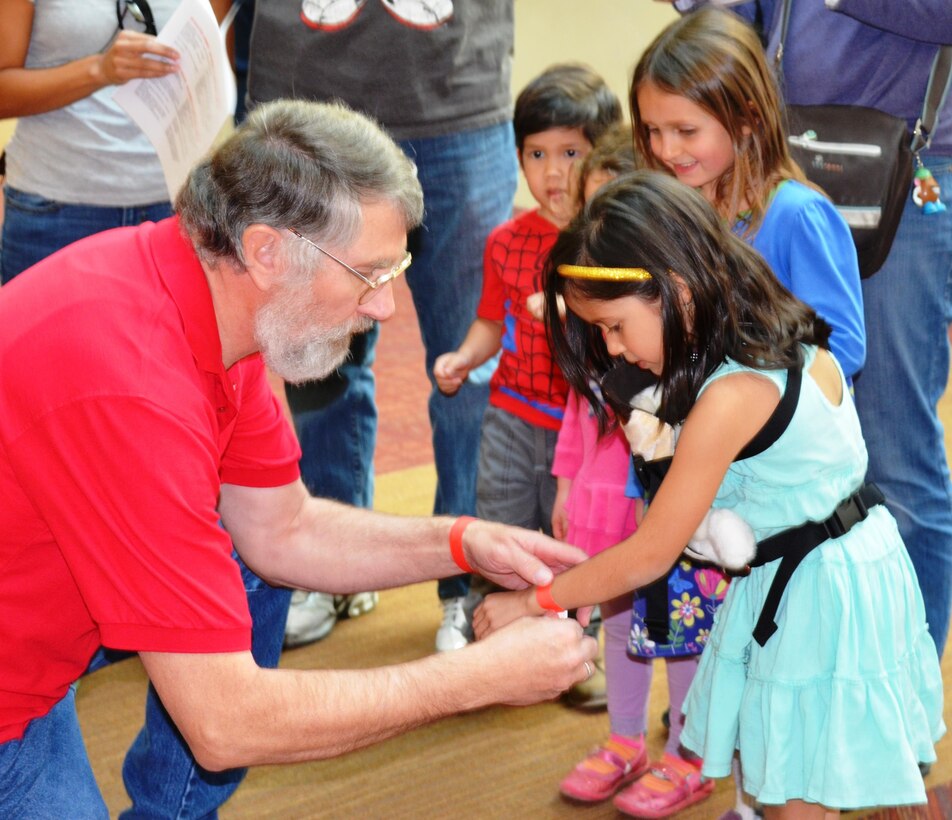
x=118 y=425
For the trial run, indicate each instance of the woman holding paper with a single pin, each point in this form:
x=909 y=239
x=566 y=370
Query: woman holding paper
x=76 y=163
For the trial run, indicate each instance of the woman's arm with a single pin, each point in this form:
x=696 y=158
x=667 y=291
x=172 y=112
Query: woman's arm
x=25 y=91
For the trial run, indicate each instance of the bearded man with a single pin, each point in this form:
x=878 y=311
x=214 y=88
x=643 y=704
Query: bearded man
x=136 y=419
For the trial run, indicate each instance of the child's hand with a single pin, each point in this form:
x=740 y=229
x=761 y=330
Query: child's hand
x=560 y=521
x=450 y=371
x=499 y=609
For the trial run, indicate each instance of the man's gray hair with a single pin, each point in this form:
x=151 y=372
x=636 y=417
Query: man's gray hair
x=299 y=164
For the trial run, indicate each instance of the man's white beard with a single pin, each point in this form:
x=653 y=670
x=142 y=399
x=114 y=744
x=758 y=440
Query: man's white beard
x=295 y=342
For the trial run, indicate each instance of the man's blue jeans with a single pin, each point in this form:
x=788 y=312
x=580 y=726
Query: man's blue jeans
x=159 y=772
x=469 y=181
x=47 y=772
x=908 y=307
x=34 y=227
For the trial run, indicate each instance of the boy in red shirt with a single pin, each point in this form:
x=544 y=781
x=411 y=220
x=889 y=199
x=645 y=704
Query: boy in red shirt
x=558 y=117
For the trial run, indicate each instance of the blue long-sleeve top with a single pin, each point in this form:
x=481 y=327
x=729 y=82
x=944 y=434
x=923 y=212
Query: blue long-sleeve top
x=809 y=247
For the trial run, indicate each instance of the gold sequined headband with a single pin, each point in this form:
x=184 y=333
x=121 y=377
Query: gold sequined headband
x=609 y=274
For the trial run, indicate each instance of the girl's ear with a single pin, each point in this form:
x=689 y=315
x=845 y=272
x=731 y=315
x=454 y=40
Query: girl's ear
x=684 y=292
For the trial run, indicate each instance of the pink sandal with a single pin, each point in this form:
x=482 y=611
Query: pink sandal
x=671 y=785
x=605 y=771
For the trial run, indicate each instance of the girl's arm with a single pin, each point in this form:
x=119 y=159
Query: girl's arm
x=25 y=91
x=725 y=418
x=560 y=520
x=566 y=461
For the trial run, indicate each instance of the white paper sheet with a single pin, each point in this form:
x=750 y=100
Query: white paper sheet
x=182 y=113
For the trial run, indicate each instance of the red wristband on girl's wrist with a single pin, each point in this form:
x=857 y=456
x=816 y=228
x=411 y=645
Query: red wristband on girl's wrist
x=545 y=600
x=456 y=542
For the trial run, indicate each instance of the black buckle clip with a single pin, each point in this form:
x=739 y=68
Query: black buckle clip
x=850 y=511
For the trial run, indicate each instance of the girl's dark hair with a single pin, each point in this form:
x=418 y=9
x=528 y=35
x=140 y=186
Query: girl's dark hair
x=737 y=308
x=714 y=59
x=566 y=95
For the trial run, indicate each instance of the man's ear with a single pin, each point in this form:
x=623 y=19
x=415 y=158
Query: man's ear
x=261 y=247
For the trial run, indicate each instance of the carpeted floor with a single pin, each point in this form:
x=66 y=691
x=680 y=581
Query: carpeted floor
x=498 y=763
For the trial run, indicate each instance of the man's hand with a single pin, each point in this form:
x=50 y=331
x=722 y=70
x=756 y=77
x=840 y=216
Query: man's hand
x=516 y=558
x=536 y=659
x=450 y=371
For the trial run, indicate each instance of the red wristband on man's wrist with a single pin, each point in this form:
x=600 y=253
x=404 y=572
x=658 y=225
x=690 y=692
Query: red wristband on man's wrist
x=456 y=542
x=545 y=600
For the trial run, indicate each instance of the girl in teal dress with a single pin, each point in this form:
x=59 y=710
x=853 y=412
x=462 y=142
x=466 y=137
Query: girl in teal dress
x=828 y=685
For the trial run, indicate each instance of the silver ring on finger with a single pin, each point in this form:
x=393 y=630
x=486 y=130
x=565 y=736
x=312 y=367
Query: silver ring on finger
x=589 y=670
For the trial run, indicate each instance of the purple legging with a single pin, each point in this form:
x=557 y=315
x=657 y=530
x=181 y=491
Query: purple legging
x=628 y=679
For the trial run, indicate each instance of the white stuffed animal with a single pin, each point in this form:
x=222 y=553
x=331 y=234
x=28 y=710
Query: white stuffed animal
x=722 y=537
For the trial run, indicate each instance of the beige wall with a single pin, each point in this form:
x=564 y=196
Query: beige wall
x=608 y=35
x=6 y=129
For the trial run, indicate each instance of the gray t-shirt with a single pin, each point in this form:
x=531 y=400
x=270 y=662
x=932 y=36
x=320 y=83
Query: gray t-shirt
x=416 y=81
x=88 y=152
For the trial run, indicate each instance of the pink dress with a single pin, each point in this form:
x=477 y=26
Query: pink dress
x=598 y=511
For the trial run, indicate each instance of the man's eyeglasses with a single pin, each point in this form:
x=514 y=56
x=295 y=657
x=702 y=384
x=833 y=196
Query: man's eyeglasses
x=140 y=11
x=373 y=285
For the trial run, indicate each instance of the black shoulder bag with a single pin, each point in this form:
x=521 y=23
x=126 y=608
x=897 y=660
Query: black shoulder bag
x=863 y=158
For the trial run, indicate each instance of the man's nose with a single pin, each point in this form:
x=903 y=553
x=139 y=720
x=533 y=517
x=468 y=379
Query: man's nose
x=382 y=306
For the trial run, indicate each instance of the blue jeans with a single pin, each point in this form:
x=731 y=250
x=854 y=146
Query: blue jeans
x=159 y=772
x=908 y=307
x=47 y=773
x=469 y=181
x=35 y=227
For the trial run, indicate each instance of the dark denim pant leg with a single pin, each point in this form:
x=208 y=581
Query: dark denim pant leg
x=35 y=227
x=469 y=181
x=159 y=772
x=47 y=773
x=908 y=308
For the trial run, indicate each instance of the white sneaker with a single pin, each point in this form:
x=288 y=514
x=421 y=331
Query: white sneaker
x=457 y=629
x=311 y=617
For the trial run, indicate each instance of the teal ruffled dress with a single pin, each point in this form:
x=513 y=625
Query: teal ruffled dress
x=845 y=699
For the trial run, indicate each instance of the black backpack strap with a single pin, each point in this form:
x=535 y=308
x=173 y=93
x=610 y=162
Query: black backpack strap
x=793 y=545
x=651 y=473
x=779 y=419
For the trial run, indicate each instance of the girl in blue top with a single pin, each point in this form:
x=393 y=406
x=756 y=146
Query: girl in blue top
x=838 y=700
x=706 y=109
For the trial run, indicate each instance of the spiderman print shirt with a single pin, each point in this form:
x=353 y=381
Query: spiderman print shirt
x=527 y=383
